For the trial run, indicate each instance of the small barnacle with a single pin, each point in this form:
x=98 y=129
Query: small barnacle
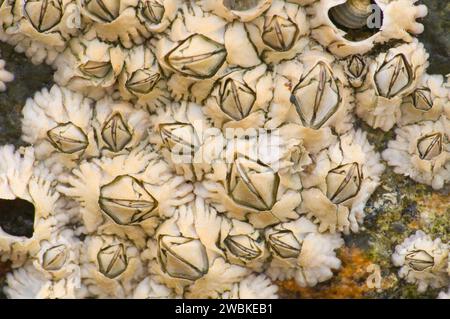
x=279 y=33
x=343 y=182
x=356 y=70
x=356 y=26
x=423 y=261
x=392 y=76
x=126 y=210
x=142 y=81
x=236 y=99
x=55 y=257
x=180 y=138
x=242 y=246
x=116 y=133
x=153 y=10
x=157 y=15
x=68 y=138
x=96 y=69
x=43 y=15
x=422 y=99
x=5 y=76
x=300 y=252
x=112 y=260
x=422 y=152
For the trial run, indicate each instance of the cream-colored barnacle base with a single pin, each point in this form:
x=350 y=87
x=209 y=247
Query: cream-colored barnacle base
x=392 y=76
x=423 y=261
x=388 y=20
x=252 y=287
x=240 y=99
x=256 y=177
x=422 y=152
x=58 y=123
x=179 y=131
x=126 y=195
x=427 y=102
x=281 y=32
x=340 y=181
x=54 y=272
x=185 y=257
x=244 y=11
x=29 y=190
x=41 y=28
x=110 y=267
x=89 y=66
x=119 y=127
x=5 y=76
x=142 y=81
x=151 y=289
x=312 y=90
x=157 y=15
x=113 y=21
x=300 y=252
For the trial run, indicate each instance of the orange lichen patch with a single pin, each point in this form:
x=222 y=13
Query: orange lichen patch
x=434 y=202
x=349 y=282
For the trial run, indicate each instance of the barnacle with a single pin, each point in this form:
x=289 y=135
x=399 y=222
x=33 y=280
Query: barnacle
x=5 y=76
x=392 y=76
x=348 y=27
x=422 y=152
x=423 y=261
x=339 y=183
x=300 y=252
x=156 y=15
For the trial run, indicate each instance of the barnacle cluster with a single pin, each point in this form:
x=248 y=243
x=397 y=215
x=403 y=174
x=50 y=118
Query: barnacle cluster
x=205 y=148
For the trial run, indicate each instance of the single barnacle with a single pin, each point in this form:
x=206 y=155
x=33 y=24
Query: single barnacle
x=339 y=183
x=112 y=260
x=241 y=10
x=300 y=252
x=392 y=76
x=116 y=133
x=55 y=257
x=356 y=70
x=68 y=138
x=422 y=152
x=5 y=76
x=423 y=261
x=179 y=137
x=348 y=27
x=252 y=287
x=156 y=15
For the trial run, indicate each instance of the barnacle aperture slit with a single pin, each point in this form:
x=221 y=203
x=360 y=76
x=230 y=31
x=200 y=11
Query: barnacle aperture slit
x=393 y=76
x=430 y=146
x=68 y=138
x=284 y=244
x=116 y=133
x=55 y=257
x=43 y=14
x=96 y=69
x=422 y=100
x=180 y=138
x=242 y=246
x=112 y=260
x=279 y=33
x=353 y=16
x=419 y=260
x=344 y=182
x=236 y=99
x=17 y=217
x=105 y=10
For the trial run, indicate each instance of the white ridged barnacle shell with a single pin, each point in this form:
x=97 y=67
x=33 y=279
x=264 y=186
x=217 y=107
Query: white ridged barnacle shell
x=315 y=89
x=252 y=287
x=356 y=26
x=126 y=194
x=423 y=261
x=185 y=257
x=141 y=79
x=110 y=267
x=422 y=152
x=114 y=21
x=255 y=178
x=41 y=28
x=339 y=183
x=427 y=102
x=150 y=289
x=281 y=33
x=240 y=99
x=89 y=66
x=5 y=76
x=58 y=122
x=300 y=252
x=242 y=10
x=29 y=191
x=392 y=76
x=156 y=15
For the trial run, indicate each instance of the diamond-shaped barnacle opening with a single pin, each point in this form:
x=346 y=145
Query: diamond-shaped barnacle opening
x=96 y=69
x=344 y=182
x=284 y=244
x=182 y=257
x=430 y=146
x=43 y=14
x=17 y=217
x=393 y=76
x=197 y=56
x=236 y=99
x=142 y=81
x=419 y=260
x=359 y=19
x=104 y=10
x=422 y=100
x=356 y=65
x=126 y=201
x=68 y=138
x=153 y=10
x=54 y=258
x=252 y=184
x=112 y=260
x=180 y=138
x=317 y=96
x=279 y=33
x=243 y=247
x=116 y=133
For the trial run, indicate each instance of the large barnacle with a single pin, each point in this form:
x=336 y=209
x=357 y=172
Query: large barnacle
x=156 y=15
